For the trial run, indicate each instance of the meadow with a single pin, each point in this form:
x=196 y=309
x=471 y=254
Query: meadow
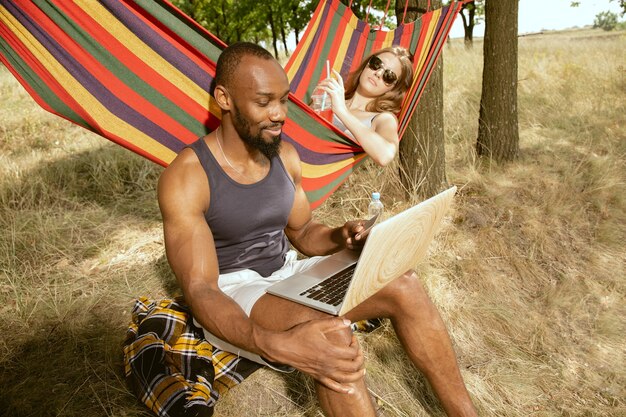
x=528 y=271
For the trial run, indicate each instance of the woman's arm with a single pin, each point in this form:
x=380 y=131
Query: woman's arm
x=380 y=141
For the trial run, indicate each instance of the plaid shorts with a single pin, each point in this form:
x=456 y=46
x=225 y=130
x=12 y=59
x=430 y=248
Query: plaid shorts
x=171 y=367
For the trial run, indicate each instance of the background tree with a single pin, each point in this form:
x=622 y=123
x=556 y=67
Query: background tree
x=422 y=153
x=605 y=20
x=360 y=8
x=475 y=11
x=300 y=15
x=622 y=4
x=498 y=134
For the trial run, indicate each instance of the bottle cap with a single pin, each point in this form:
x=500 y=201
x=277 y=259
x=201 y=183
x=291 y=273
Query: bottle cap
x=376 y=196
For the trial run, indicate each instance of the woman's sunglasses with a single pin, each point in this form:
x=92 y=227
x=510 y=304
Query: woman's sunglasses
x=389 y=77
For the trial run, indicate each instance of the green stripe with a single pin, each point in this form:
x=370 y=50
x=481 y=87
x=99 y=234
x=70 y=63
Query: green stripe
x=316 y=195
x=313 y=127
x=320 y=66
x=35 y=82
x=121 y=71
x=417 y=29
x=196 y=36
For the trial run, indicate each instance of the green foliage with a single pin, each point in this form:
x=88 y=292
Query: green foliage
x=360 y=9
x=268 y=22
x=605 y=20
x=622 y=4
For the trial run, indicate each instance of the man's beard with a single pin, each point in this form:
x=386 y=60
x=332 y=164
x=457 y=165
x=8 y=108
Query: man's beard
x=242 y=126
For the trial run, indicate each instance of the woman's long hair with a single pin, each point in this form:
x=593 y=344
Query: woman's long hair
x=391 y=101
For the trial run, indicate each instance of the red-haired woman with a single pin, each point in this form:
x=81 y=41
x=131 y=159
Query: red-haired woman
x=367 y=109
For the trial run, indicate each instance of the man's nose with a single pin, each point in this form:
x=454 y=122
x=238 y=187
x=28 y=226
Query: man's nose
x=279 y=113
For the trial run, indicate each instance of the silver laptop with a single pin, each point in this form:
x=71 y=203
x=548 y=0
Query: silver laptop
x=343 y=280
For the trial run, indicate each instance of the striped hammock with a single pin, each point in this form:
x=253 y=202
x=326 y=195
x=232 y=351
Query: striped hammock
x=138 y=72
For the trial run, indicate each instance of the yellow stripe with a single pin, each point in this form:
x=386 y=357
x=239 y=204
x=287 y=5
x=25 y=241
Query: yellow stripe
x=98 y=112
x=429 y=33
x=388 y=39
x=306 y=43
x=428 y=38
x=317 y=171
x=345 y=42
x=144 y=52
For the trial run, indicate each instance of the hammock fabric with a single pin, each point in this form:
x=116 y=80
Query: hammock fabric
x=138 y=73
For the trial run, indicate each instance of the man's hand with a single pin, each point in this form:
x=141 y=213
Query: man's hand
x=352 y=234
x=326 y=349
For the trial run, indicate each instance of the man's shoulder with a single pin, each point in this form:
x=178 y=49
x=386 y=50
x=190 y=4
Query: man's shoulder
x=185 y=160
x=185 y=167
x=289 y=154
x=290 y=158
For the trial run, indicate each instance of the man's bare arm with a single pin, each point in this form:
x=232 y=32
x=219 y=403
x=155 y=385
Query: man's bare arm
x=308 y=236
x=183 y=198
x=183 y=194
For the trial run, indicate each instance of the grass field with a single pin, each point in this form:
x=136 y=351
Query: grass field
x=528 y=272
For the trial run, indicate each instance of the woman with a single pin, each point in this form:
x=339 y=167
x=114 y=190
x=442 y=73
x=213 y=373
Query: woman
x=373 y=96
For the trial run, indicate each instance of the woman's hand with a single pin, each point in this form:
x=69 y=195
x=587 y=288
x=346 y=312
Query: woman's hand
x=335 y=90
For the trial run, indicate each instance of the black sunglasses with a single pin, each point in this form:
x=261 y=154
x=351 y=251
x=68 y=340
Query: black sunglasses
x=389 y=77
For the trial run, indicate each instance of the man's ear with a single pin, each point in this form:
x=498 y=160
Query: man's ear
x=222 y=97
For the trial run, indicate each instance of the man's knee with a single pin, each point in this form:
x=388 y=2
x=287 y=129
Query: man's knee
x=342 y=337
x=408 y=288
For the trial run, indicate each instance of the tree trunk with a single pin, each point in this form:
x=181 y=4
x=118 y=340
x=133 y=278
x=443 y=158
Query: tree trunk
x=270 y=17
x=468 y=37
x=422 y=152
x=283 y=35
x=498 y=135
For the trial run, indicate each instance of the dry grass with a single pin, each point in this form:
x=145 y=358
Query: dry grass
x=528 y=273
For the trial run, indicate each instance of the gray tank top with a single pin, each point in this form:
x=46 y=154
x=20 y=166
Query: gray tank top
x=248 y=220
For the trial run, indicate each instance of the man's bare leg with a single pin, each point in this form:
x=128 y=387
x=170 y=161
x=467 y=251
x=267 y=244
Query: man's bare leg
x=419 y=328
x=424 y=336
x=278 y=314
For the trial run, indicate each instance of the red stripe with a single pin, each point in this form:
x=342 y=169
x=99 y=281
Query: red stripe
x=378 y=40
x=314 y=62
x=407 y=34
x=136 y=65
x=316 y=183
x=38 y=99
x=300 y=45
x=56 y=88
x=24 y=52
x=310 y=141
x=112 y=83
x=173 y=39
x=214 y=39
x=334 y=49
x=359 y=51
x=420 y=44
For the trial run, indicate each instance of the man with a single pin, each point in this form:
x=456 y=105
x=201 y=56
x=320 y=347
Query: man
x=232 y=202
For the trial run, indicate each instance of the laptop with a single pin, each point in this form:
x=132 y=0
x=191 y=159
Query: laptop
x=345 y=279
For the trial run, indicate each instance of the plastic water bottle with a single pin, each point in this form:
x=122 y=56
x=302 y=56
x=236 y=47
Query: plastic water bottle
x=375 y=207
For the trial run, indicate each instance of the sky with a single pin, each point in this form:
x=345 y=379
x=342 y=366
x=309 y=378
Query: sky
x=538 y=15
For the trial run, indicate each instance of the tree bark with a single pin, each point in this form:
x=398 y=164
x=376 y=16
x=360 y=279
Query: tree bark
x=498 y=134
x=468 y=28
x=422 y=153
x=283 y=35
x=270 y=16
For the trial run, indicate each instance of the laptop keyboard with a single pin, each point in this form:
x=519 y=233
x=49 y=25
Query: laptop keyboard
x=333 y=289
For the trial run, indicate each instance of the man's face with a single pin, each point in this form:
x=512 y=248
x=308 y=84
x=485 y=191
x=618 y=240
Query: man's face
x=259 y=105
x=255 y=139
